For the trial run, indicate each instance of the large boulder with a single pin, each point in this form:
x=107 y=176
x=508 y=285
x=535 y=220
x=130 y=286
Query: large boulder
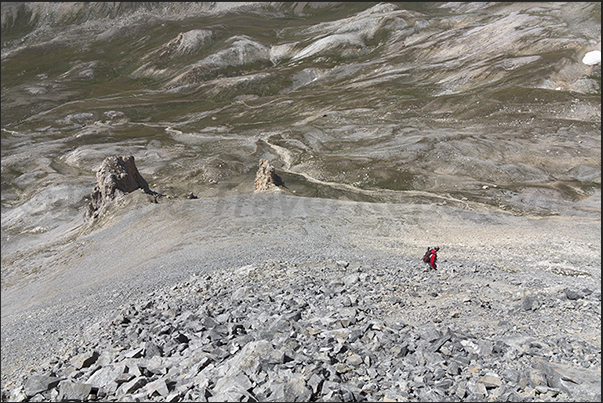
x=266 y=179
x=117 y=176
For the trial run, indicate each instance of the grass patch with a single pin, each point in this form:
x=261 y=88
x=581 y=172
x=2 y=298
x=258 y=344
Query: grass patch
x=569 y=272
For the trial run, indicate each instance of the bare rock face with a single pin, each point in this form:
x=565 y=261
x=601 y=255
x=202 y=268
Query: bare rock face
x=117 y=175
x=266 y=180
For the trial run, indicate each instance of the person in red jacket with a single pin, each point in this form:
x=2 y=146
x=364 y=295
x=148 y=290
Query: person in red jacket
x=431 y=257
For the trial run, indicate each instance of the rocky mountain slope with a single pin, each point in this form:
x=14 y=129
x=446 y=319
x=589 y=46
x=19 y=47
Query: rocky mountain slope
x=364 y=101
x=333 y=331
x=395 y=126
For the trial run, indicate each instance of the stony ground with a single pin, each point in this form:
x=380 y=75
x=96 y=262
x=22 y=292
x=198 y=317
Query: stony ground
x=494 y=322
x=395 y=126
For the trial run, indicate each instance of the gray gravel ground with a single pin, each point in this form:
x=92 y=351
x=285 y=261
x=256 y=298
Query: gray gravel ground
x=490 y=264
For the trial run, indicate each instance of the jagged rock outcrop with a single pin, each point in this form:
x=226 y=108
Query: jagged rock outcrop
x=266 y=179
x=117 y=175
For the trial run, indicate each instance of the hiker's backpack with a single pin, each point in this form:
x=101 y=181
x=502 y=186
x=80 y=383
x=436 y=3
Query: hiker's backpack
x=427 y=256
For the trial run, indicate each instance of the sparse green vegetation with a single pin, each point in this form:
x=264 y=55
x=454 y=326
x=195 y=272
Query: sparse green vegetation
x=564 y=271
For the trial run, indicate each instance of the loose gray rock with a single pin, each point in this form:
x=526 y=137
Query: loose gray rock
x=84 y=360
x=573 y=295
x=291 y=337
x=39 y=383
x=73 y=391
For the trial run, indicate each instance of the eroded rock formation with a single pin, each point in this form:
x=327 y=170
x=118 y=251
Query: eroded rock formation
x=117 y=175
x=266 y=179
